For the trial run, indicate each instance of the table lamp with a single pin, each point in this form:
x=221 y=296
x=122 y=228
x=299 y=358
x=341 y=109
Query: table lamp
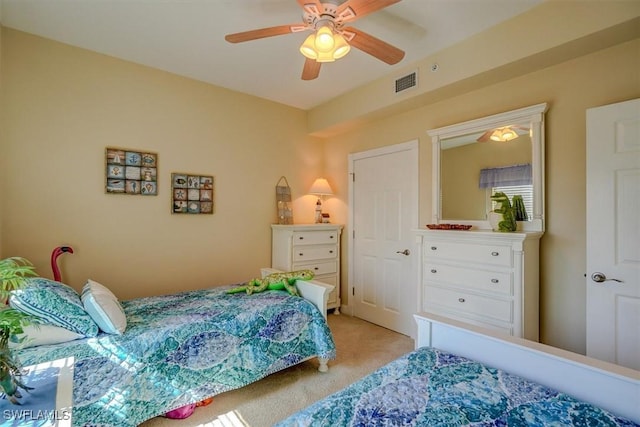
x=320 y=188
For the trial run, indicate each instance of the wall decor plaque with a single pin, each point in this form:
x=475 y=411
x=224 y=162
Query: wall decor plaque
x=192 y=194
x=131 y=172
x=283 y=201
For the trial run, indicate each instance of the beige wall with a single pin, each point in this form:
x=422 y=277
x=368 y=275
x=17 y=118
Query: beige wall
x=570 y=88
x=61 y=106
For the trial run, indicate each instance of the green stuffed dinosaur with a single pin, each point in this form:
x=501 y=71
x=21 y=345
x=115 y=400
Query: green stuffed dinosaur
x=508 y=221
x=274 y=281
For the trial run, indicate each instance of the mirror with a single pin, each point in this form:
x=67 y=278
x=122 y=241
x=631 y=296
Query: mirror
x=473 y=159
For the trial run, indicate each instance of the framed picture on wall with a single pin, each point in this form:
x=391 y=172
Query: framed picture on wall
x=131 y=172
x=192 y=194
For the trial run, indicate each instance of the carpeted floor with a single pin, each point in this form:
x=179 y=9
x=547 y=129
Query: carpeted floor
x=361 y=348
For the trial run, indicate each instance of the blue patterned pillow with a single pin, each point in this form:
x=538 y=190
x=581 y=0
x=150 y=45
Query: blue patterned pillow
x=54 y=303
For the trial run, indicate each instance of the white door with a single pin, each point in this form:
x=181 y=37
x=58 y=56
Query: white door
x=384 y=201
x=613 y=233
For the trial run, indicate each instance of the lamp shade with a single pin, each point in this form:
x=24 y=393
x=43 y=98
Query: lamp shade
x=307 y=48
x=341 y=46
x=324 y=40
x=508 y=134
x=321 y=188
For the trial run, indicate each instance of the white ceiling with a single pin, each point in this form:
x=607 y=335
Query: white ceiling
x=186 y=37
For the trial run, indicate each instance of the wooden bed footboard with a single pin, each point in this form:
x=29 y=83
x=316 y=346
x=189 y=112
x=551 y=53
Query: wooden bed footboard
x=604 y=384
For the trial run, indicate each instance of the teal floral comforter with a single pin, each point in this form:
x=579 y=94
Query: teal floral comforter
x=182 y=348
x=428 y=387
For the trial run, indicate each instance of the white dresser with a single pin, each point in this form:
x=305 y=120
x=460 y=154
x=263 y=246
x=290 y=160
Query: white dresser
x=485 y=278
x=314 y=247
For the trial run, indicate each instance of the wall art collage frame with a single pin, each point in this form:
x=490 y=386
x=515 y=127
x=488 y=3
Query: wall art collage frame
x=135 y=172
x=191 y=194
x=131 y=172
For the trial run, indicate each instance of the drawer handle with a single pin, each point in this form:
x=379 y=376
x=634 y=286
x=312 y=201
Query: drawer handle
x=316 y=268
x=495 y=253
x=330 y=252
x=433 y=270
x=495 y=280
x=434 y=248
x=461 y=299
x=331 y=237
x=301 y=238
x=301 y=254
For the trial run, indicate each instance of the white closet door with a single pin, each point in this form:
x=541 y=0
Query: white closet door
x=384 y=200
x=613 y=233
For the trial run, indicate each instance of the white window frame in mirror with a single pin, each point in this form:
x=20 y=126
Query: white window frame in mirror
x=534 y=116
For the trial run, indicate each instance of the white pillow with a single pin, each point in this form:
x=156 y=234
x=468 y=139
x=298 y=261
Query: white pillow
x=103 y=307
x=43 y=334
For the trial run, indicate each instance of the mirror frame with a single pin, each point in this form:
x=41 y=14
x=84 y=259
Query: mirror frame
x=534 y=117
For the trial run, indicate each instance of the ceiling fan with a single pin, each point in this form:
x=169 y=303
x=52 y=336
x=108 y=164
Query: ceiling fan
x=330 y=39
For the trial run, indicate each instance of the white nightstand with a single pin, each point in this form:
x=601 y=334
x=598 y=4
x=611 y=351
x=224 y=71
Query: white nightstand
x=314 y=247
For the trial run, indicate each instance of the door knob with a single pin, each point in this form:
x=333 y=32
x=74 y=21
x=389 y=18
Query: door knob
x=599 y=278
x=405 y=252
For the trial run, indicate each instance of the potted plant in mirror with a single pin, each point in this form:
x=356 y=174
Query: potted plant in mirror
x=14 y=272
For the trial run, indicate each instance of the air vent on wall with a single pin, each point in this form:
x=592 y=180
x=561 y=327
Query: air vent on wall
x=407 y=82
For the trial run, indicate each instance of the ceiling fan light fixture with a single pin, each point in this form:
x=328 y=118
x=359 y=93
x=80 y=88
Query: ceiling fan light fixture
x=503 y=134
x=341 y=48
x=308 y=47
x=325 y=57
x=508 y=134
x=325 y=45
x=324 y=41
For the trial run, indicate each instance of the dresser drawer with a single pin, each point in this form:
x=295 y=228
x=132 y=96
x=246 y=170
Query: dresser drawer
x=477 y=253
x=463 y=302
x=311 y=253
x=318 y=268
x=315 y=237
x=497 y=282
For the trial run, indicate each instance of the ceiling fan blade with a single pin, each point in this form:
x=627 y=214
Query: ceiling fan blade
x=311 y=69
x=373 y=46
x=261 y=33
x=360 y=8
x=485 y=137
x=311 y=6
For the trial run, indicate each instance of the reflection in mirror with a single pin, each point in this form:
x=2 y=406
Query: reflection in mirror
x=465 y=160
x=475 y=159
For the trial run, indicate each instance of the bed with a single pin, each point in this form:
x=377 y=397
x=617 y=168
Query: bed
x=464 y=375
x=183 y=348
